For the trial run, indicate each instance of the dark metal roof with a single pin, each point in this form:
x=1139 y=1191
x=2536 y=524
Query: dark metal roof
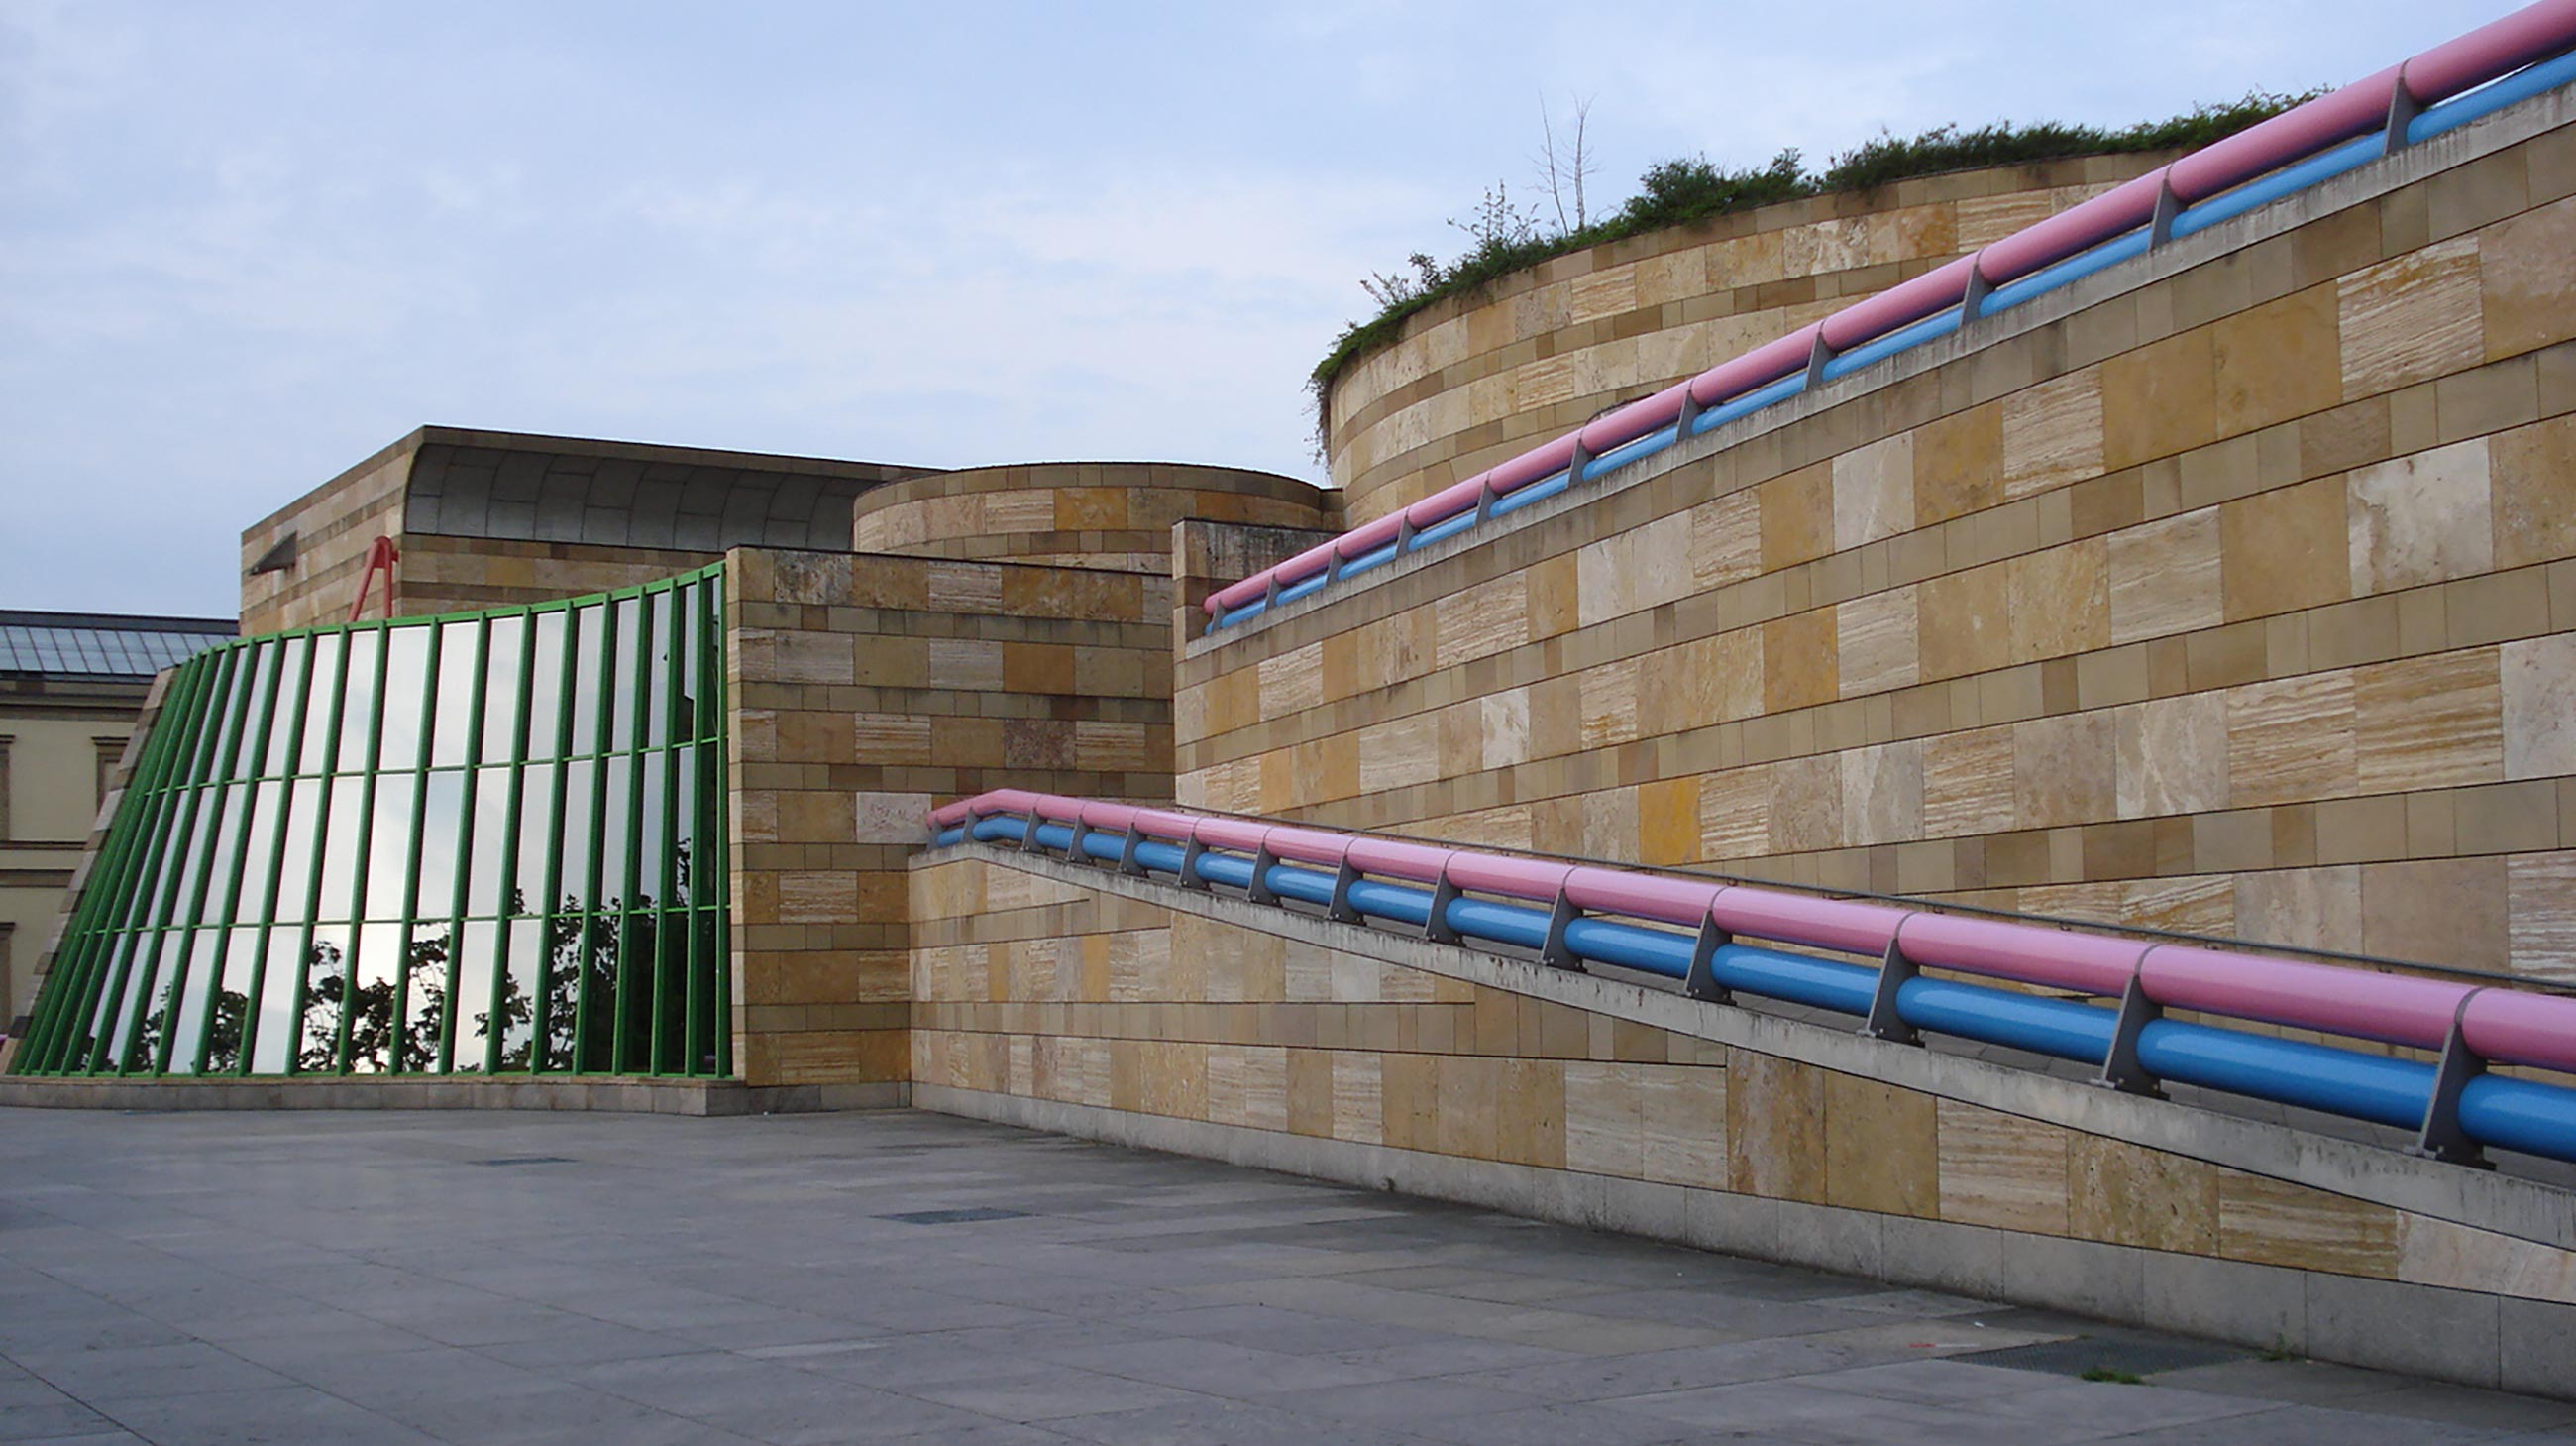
x=103 y=645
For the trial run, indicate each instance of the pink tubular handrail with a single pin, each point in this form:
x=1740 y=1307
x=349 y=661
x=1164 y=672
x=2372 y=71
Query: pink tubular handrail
x=2457 y=65
x=2505 y=1025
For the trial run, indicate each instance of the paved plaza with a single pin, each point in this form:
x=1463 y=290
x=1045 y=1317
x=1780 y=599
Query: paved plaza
x=632 y=1280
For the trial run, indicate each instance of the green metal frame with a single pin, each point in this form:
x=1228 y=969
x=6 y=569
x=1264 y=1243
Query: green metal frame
x=230 y=792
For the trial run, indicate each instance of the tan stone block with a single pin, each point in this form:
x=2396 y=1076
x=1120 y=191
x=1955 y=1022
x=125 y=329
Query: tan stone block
x=2127 y=1195
x=1734 y=813
x=2291 y=740
x=1797 y=516
x=2065 y=770
x=1293 y=681
x=1640 y=568
x=1876 y=646
x=2522 y=265
x=1775 y=1127
x=1604 y=1119
x=2052 y=433
x=2428 y=722
x=1966 y=622
x=2532 y=474
x=2171 y=755
x=1553 y=598
x=2060 y=600
x=1683 y=1118
x=1882 y=1148
x=1530 y=1120
x=2420 y=519
x=1882 y=800
x=1608 y=699
x=2412 y=318
x=1799 y=667
x=2279 y=361
x=1874 y=491
x=2460 y=1257
x=1410 y=1088
x=2164 y=577
x=2273 y=1222
x=2537 y=680
x=1959 y=464
x=1726 y=539
x=1712 y=680
x=2001 y=1170
x=1358 y=1101
x=2540 y=914
x=1806 y=808
x=1668 y=822
x=2316 y=908
x=2444 y=911
x=2286 y=549
x=2158 y=400
x=1968 y=784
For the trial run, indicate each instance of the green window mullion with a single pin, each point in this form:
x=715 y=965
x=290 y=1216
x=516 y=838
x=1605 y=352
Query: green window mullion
x=698 y=965
x=466 y=864
x=498 y=1028
x=540 y=1024
x=337 y=717
x=668 y=843
x=231 y=911
x=139 y=963
x=277 y=857
x=106 y=901
x=359 y=849
x=221 y=785
x=401 y=1018
x=718 y=679
x=585 y=1014
x=626 y=967
x=138 y=1005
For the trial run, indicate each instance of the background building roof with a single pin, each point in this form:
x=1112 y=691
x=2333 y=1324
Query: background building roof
x=102 y=645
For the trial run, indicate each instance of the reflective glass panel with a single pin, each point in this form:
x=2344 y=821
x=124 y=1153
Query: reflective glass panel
x=460 y=670
x=389 y=846
x=358 y=711
x=399 y=723
x=505 y=650
x=321 y=703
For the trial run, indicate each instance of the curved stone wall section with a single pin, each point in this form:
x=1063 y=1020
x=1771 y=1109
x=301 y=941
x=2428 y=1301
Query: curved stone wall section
x=1116 y=516
x=1475 y=381
x=2236 y=594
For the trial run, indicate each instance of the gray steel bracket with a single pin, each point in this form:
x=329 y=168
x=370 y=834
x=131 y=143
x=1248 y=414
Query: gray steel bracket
x=1029 y=835
x=1340 y=910
x=1405 y=532
x=2442 y=1138
x=1261 y=892
x=1701 y=983
x=1973 y=303
x=1687 y=418
x=2403 y=107
x=1270 y=592
x=2168 y=206
x=1128 y=863
x=1817 y=356
x=1553 y=952
x=1190 y=857
x=1073 y=850
x=1435 y=925
x=2120 y=1068
x=1484 y=503
x=1575 y=464
x=1884 y=1022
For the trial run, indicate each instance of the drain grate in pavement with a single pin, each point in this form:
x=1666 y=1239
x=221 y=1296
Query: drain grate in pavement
x=2135 y=1355
x=955 y=1217
x=527 y=1160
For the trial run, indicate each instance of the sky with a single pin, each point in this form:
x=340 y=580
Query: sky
x=243 y=246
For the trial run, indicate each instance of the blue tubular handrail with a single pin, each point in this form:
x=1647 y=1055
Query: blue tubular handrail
x=2295 y=174
x=2510 y=1113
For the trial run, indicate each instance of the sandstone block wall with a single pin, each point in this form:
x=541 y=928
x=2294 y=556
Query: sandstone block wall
x=860 y=689
x=2234 y=594
x=1113 y=515
x=1479 y=379
x=1039 y=986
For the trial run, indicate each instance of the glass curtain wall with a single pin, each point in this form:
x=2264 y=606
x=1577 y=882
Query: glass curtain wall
x=488 y=843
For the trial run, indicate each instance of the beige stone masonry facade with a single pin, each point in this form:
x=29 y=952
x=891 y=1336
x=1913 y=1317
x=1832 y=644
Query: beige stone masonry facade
x=1478 y=379
x=1114 y=515
x=1035 y=981
x=861 y=688
x=2233 y=594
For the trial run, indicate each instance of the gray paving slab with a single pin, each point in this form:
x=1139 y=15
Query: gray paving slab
x=206 y=1279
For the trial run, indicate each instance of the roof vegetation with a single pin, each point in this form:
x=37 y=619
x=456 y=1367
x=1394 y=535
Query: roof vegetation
x=1506 y=237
